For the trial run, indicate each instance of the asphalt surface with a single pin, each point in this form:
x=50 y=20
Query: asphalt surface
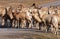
x=12 y=33
x=55 y=3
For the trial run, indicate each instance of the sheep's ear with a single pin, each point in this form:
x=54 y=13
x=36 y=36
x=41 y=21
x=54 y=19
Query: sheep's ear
x=33 y=4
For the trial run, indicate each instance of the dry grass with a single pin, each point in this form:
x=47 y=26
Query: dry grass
x=43 y=36
x=25 y=2
x=32 y=36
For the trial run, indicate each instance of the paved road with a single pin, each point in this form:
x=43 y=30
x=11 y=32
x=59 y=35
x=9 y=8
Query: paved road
x=13 y=30
x=55 y=3
x=12 y=33
x=9 y=33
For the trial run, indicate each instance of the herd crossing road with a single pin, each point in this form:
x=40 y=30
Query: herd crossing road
x=13 y=33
